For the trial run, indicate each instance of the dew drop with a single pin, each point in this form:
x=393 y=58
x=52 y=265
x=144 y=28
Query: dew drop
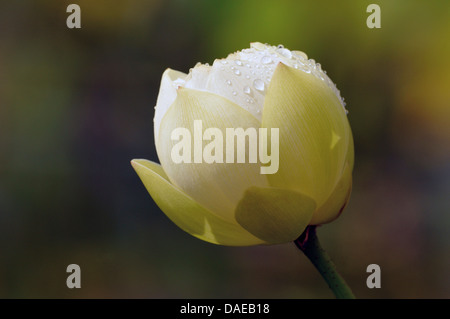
x=223 y=61
x=238 y=62
x=258 y=46
x=247 y=76
x=258 y=84
x=280 y=46
x=228 y=82
x=305 y=69
x=285 y=52
x=237 y=72
x=247 y=90
x=234 y=93
x=266 y=59
x=300 y=55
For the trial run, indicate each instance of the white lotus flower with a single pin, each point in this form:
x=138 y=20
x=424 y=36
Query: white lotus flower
x=233 y=203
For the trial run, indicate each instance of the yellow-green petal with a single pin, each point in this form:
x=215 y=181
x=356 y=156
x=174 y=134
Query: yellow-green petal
x=188 y=214
x=337 y=201
x=350 y=159
x=275 y=215
x=314 y=132
x=216 y=186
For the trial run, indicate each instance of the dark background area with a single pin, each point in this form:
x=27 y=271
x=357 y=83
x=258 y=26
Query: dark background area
x=76 y=105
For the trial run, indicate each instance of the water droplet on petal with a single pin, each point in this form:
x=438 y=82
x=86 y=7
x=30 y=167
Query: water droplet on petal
x=285 y=52
x=247 y=76
x=238 y=62
x=234 y=93
x=237 y=72
x=258 y=84
x=266 y=59
x=280 y=46
x=223 y=61
x=247 y=90
x=228 y=82
x=258 y=46
x=305 y=69
x=300 y=55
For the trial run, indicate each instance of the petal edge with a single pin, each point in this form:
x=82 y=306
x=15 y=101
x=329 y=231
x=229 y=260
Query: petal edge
x=188 y=214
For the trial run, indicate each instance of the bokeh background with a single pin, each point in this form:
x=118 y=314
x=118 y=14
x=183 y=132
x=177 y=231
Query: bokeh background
x=76 y=105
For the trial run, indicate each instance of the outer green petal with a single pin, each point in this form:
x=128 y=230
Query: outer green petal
x=186 y=213
x=314 y=132
x=275 y=215
x=216 y=186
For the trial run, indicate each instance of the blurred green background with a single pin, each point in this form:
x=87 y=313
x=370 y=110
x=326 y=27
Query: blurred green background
x=76 y=105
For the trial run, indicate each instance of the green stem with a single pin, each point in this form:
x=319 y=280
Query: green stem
x=309 y=244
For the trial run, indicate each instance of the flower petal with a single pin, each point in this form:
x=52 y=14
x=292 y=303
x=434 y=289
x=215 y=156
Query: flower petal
x=188 y=214
x=167 y=95
x=243 y=76
x=313 y=129
x=337 y=201
x=273 y=214
x=216 y=186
